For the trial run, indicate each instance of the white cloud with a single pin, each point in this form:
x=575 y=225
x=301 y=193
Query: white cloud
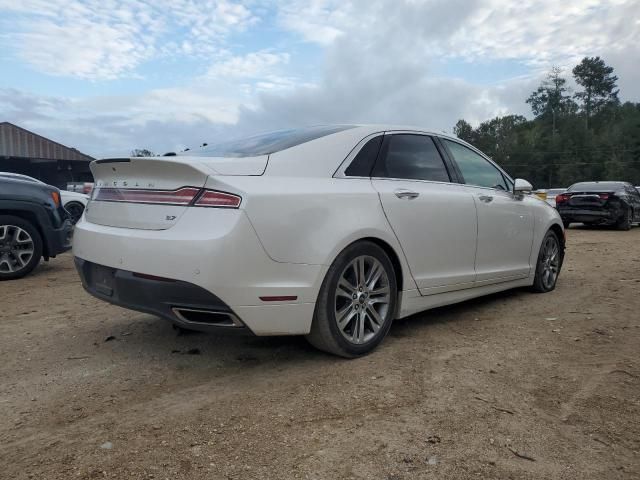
x=106 y=39
x=536 y=31
x=381 y=63
x=252 y=65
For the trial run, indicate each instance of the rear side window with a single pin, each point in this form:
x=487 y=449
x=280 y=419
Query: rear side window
x=364 y=161
x=412 y=157
x=476 y=169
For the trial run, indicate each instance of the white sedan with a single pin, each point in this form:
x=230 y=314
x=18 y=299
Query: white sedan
x=73 y=202
x=330 y=232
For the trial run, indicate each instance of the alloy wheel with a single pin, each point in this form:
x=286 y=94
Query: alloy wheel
x=16 y=248
x=550 y=262
x=362 y=299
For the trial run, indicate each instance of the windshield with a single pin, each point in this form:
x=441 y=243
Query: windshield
x=594 y=186
x=266 y=143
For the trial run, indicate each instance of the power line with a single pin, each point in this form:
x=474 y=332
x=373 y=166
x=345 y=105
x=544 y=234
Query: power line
x=568 y=163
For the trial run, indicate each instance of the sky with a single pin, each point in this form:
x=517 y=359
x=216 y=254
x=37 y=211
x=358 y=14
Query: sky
x=108 y=76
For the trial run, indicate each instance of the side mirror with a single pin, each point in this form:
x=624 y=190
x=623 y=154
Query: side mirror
x=521 y=186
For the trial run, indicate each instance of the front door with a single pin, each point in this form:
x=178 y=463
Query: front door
x=505 y=222
x=433 y=219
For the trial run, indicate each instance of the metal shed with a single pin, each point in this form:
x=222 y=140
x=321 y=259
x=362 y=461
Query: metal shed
x=22 y=151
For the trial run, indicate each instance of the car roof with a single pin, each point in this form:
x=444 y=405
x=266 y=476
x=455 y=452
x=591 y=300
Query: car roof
x=606 y=184
x=374 y=128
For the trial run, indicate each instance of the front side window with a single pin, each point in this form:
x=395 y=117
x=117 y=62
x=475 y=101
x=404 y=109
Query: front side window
x=412 y=157
x=475 y=169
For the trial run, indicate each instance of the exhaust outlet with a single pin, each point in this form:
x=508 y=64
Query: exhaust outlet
x=207 y=317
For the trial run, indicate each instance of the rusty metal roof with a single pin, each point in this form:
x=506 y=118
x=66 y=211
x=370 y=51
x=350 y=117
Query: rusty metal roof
x=18 y=142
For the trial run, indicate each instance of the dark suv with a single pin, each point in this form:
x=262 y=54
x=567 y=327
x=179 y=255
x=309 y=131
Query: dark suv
x=33 y=225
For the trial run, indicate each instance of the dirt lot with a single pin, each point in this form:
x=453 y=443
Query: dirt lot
x=516 y=385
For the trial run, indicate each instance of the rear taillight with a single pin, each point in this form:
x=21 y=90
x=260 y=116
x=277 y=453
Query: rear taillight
x=604 y=196
x=55 y=196
x=182 y=196
x=562 y=198
x=186 y=196
x=212 y=198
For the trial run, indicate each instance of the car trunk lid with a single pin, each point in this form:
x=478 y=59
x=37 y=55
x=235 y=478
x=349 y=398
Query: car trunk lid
x=588 y=199
x=152 y=193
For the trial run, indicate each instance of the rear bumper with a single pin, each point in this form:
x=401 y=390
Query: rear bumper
x=59 y=239
x=173 y=300
x=588 y=215
x=215 y=260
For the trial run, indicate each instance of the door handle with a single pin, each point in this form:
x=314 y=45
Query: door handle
x=485 y=198
x=408 y=194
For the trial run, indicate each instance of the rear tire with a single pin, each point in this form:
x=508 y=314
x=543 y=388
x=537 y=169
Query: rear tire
x=549 y=264
x=625 y=222
x=357 y=302
x=20 y=247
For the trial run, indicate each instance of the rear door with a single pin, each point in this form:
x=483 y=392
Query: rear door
x=433 y=218
x=505 y=222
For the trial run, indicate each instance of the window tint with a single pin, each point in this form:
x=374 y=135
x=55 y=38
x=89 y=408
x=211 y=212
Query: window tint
x=475 y=169
x=364 y=161
x=413 y=157
x=266 y=143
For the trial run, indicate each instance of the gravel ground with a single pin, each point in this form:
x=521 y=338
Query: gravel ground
x=512 y=386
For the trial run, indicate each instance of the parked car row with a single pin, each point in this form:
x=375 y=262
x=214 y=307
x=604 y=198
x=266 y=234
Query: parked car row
x=331 y=232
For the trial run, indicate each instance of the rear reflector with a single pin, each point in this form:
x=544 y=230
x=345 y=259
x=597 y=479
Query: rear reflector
x=182 y=196
x=281 y=298
x=211 y=198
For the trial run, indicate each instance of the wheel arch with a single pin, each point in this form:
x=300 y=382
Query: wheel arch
x=398 y=267
x=76 y=202
x=559 y=231
x=393 y=256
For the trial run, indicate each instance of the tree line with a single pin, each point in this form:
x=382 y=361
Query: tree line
x=574 y=136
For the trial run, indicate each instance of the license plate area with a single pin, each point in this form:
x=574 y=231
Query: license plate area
x=102 y=279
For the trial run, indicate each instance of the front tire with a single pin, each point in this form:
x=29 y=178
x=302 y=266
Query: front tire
x=20 y=247
x=357 y=302
x=549 y=264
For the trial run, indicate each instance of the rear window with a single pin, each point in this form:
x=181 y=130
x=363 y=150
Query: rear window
x=266 y=143
x=594 y=186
